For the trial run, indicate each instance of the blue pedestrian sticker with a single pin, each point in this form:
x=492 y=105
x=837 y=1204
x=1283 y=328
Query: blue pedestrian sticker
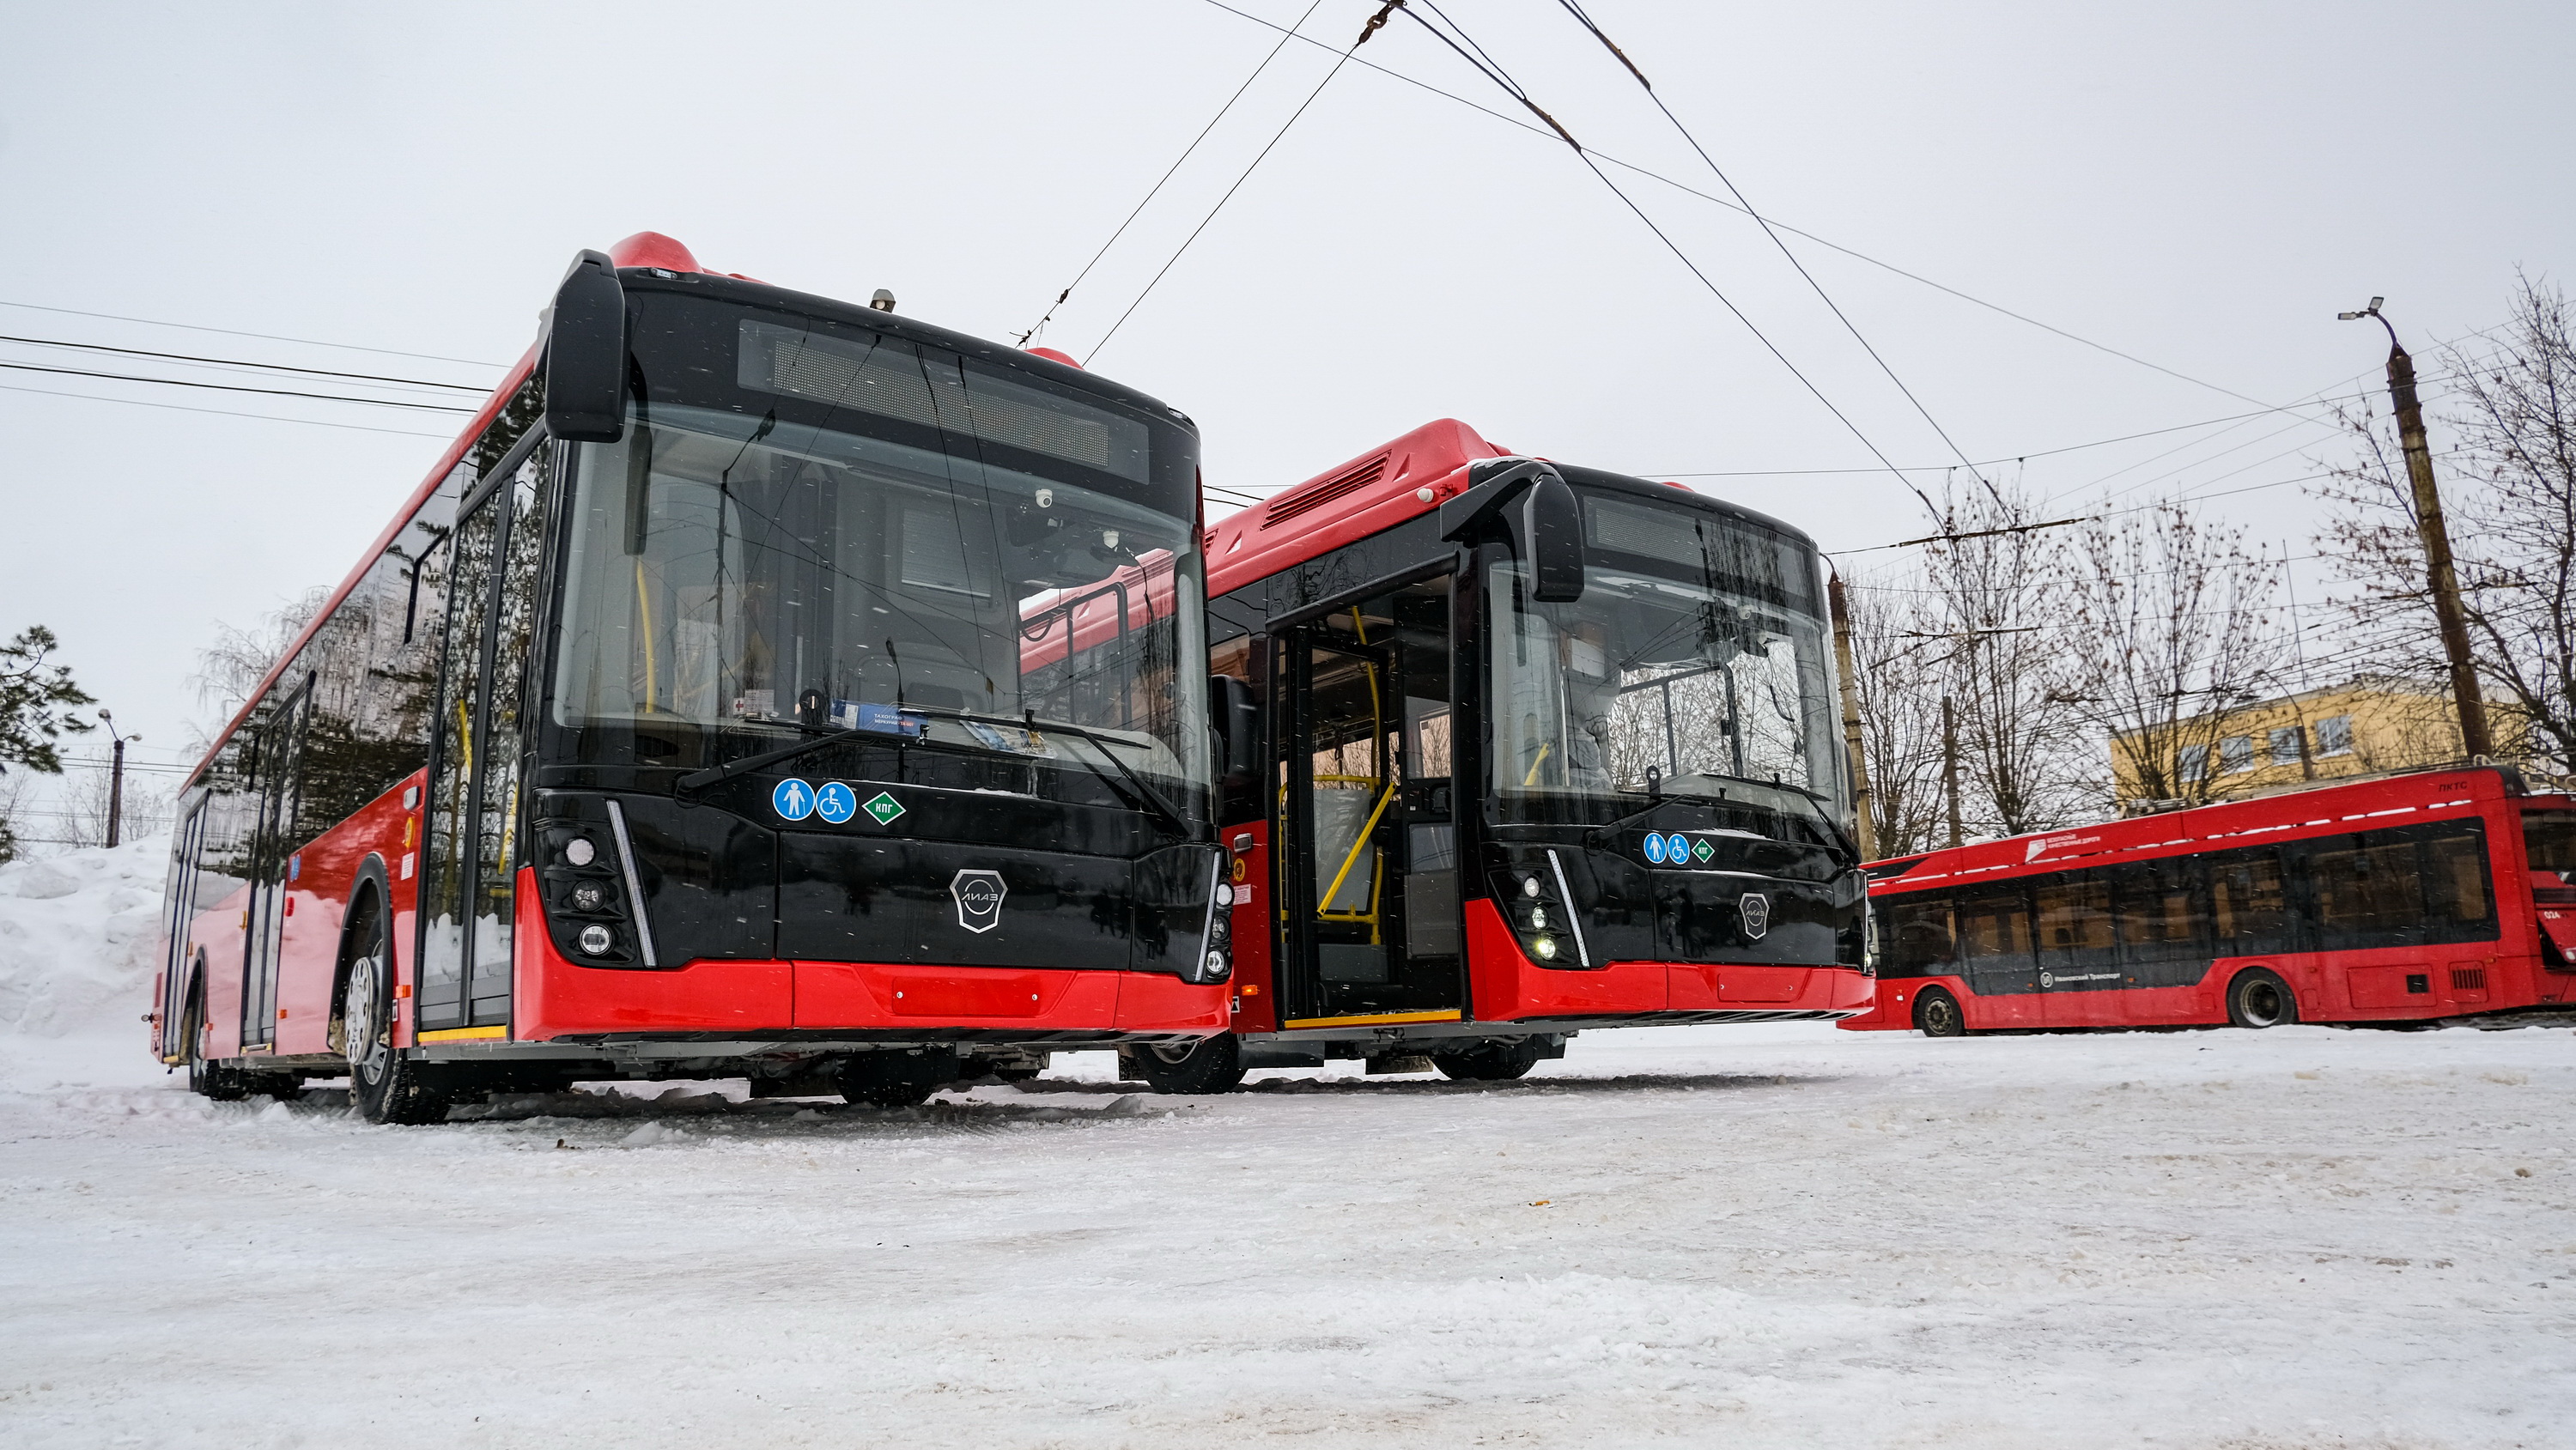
x=1654 y=848
x=835 y=802
x=793 y=799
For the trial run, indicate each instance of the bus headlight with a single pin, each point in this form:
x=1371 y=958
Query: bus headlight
x=589 y=896
x=1215 y=968
x=595 y=940
x=1545 y=948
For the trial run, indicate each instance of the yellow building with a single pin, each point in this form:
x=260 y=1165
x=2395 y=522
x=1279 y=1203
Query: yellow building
x=2355 y=729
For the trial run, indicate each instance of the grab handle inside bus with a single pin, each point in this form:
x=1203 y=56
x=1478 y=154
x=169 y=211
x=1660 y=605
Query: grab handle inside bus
x=586 y=354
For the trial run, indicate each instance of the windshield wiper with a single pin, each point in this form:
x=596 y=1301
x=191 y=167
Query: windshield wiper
x=1029 y=722
x=821 y=735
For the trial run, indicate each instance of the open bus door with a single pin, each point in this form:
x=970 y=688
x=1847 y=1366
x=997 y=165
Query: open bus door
x=280 y=764
x=1367 y=870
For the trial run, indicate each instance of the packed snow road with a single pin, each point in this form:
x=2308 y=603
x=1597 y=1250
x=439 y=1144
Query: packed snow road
x=1763 y=1236
x=1774 y=1236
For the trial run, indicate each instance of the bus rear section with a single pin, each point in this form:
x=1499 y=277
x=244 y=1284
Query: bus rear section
x=2419 y=897
x=764 y=686
x=1513 y=750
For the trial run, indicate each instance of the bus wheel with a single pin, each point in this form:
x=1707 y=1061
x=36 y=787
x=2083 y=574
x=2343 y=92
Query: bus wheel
x=1937 y=1014
x=208 y=1079
x=2257 y=998
x=1209 y=1065
x=1490 y=1061
x=898 y=1079
x=383 y=1085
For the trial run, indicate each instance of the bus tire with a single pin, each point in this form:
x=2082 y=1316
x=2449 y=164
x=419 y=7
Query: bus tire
x=2259 y=998
x=1209 y=1065
x=384 y=1086
x=1493 y=1060
x=898 y=1079
x=208 y=1078
x=1937 y=1014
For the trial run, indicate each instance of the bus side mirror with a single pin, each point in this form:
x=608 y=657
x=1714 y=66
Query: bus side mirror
x=1552 y=540
x=1237 y=718
x=586 y=354
x=1534 y=505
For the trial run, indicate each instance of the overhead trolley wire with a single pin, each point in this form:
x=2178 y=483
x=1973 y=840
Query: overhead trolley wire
x=1498 y=76
x=1586 y=21
x=231 y=362
x=237 y=388
x=225 y=413
x=1826 y=242
x=1371 y=28
x=263 y=336
x=1186 y=151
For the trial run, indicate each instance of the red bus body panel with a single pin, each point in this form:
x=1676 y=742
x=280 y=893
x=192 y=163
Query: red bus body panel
x=2366 y=985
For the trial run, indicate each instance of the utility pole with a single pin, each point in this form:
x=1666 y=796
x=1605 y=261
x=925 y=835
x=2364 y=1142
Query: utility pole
x=2439 y=575
x=116 y=779
x=1851 y=714
x=1950 y=766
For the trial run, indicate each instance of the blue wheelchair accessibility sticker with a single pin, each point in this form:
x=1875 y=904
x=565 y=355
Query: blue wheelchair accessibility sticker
x=835 y=802
x=1677 y=847
x=793 y=799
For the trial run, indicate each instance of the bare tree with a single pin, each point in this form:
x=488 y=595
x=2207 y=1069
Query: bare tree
x=2513 y=529
x=2172 y=631
x=1891 y=622
x=1994 y=580
x=233 y=665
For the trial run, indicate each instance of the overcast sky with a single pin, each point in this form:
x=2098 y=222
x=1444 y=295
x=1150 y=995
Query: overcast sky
x=2200 y=185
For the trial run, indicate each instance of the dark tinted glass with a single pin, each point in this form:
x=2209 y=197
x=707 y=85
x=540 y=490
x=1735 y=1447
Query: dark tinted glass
x=2459 y=899
x=2549 y=838
x=2161 y=913
x=1916 y=930
x=2366 y=890
x=2249 y=904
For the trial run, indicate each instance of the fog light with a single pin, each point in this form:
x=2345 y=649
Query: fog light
x=595 y=940
x=1545 y=947
x=1214 y=969
x=579 y=851
x=1529 y=886
x=589 y=896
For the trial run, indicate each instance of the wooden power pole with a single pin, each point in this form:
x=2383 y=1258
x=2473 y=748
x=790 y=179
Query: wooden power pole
x=1950 y=766
x=2440 y=577
x=1851 y=716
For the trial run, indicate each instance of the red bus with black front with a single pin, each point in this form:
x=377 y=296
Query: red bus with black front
x=2416 y=897
x=1516 y=749
x=762 y=686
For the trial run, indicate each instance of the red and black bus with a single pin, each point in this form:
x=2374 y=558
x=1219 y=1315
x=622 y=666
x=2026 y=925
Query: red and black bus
x=1514 y=749
x=2403 y=899
x=761 y=686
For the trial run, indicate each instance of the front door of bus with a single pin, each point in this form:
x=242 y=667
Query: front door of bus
x=1369 y=871
x=278 y=764
x=476 y=767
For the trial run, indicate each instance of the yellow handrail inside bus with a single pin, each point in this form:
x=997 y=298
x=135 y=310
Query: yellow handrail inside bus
x=1543 y=749
x=1351 y=860
x=644 y=612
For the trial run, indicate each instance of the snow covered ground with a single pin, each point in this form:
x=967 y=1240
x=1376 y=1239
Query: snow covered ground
x=1744 y=1236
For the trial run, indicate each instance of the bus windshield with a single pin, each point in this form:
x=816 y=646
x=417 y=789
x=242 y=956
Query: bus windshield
x=863 y=533
x=2549 y=837
x=1694 y=665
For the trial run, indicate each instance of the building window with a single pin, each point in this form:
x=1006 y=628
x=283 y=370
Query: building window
x=2235 y=753
x=2192 y=764
x=2285 y=746
x=2334 y=735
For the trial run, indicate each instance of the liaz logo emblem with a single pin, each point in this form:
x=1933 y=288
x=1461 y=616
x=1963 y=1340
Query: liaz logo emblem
x=1756 y=909
x=979 y=899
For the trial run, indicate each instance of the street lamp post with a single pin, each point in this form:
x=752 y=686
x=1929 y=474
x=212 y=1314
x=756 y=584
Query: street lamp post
x=2442 y=578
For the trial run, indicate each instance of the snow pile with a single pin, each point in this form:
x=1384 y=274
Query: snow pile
x=77 y=939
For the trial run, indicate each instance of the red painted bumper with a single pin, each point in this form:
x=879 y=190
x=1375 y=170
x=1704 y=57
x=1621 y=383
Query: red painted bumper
x=1508 y=986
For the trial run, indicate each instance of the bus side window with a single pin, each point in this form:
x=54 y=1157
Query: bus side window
x=2074 y=920
x=2459 y=904
x=1919 y=940
x=2249 y=906
x=2368 y=891
x=1995 y=944
x=2161 y=917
